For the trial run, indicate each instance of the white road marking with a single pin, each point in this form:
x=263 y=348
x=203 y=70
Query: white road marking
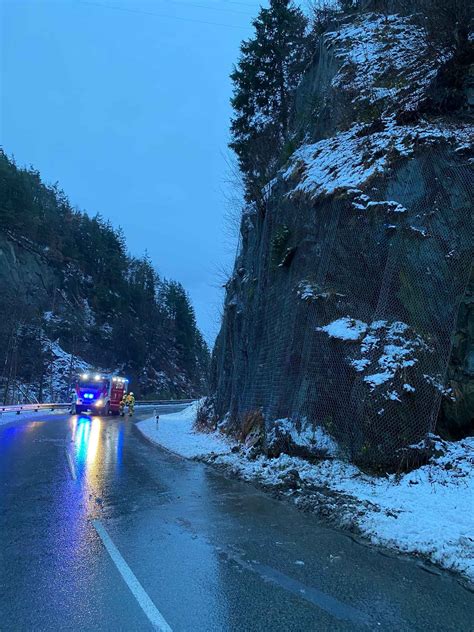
x=70 y=462
x=151 y=611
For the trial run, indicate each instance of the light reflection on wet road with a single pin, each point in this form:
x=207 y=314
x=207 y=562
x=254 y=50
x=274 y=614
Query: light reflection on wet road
x=210 y=553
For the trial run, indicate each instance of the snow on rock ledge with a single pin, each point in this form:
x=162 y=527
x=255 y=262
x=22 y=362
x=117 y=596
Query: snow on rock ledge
x=345 y=329
x=386 y=351
x=384 y=58
x=350 y=159
x=306 y=440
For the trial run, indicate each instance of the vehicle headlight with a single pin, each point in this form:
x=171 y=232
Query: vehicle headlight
x=99 y=402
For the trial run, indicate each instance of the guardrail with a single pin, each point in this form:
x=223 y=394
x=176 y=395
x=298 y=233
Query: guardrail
x=164 y=402
x=32 y=407
x=19 y=408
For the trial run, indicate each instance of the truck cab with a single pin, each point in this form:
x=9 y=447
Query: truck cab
x=99 y=393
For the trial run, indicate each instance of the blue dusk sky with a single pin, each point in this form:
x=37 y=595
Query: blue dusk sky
x=125 y=103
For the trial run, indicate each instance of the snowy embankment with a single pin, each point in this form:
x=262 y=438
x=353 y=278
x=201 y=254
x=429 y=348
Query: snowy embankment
x=427 y=512
x=175 y=433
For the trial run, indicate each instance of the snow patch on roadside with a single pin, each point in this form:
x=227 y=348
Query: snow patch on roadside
x=429 y=511
x=176 y=433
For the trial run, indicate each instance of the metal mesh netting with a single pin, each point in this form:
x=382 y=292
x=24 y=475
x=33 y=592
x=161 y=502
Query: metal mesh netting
x=354 y=333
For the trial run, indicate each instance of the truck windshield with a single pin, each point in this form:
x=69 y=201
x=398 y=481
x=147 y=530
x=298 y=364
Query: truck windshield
x=91 y=384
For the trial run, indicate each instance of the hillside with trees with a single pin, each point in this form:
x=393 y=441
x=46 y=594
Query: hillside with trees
x=72 y=297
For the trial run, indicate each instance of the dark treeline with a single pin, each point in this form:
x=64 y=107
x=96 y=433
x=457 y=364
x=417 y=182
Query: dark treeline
x=109 y=308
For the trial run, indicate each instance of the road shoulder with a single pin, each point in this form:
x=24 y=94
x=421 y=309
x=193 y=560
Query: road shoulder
x=424 y=512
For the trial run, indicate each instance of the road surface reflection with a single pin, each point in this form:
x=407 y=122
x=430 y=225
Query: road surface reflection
x=96 y=455
x=96 y=443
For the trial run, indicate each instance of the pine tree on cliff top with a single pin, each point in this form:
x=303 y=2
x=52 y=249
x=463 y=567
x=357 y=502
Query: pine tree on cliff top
x=265 y=78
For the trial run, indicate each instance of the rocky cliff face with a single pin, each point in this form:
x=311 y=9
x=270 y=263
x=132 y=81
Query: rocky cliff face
x=350 y=288
x=24 y=273
x=457 y=411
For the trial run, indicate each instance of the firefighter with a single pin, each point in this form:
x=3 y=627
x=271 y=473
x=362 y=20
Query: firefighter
x=131 y=403
x=123 y=403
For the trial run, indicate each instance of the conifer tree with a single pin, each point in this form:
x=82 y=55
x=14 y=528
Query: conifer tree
x=269 y=69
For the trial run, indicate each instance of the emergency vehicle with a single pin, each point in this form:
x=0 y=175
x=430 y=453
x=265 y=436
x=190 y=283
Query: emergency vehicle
x=100 y=394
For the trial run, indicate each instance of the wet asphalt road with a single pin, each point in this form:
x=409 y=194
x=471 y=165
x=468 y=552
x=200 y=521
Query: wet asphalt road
x=209 y=552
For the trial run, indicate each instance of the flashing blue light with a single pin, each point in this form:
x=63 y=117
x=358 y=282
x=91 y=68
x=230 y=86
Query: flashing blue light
x=88 y=396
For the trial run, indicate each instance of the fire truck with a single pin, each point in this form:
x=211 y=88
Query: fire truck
x=99 y=393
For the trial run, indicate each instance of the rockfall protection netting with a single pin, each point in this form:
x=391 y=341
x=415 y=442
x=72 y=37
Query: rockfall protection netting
x=352 y=330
